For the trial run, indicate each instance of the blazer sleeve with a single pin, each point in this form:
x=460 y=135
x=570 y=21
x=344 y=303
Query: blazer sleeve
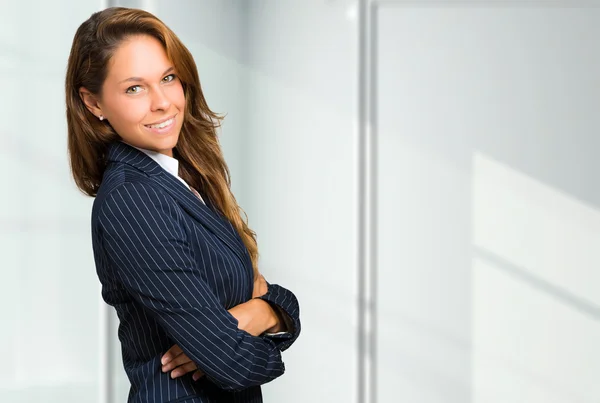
x=286 y=303
x=142 y=230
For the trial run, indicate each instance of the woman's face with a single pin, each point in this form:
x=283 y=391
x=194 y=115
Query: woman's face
x=142 y=97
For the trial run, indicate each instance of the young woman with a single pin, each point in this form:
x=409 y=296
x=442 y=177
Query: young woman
x=198 y=323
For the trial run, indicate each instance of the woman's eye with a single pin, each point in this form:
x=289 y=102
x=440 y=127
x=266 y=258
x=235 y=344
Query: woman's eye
x=133 y=89
x=169 y=78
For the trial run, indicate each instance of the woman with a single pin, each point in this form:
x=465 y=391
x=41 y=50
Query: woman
x=198 y=323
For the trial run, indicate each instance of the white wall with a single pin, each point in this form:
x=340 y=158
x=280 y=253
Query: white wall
x=49 y=307
x=489 y=232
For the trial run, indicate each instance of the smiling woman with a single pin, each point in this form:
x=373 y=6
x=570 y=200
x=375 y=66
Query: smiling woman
x=147 y=110
x=198 y=322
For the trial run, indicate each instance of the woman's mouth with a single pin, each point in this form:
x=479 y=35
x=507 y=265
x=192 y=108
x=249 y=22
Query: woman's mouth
x=162 y=127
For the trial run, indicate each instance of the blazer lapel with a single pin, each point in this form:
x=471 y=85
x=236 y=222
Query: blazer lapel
x=206 y=214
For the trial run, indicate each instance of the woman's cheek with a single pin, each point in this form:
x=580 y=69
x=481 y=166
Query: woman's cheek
x=136 y=110
x=177 y=96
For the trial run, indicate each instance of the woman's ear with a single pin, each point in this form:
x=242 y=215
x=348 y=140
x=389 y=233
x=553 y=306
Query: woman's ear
x=91 y=102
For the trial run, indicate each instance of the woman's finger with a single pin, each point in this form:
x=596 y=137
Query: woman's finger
x=197 y=375
x=183 y=369
x=170 y=354
x=181 y=359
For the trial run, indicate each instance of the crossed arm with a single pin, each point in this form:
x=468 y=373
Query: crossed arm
x=256 y=317
x=143 y=232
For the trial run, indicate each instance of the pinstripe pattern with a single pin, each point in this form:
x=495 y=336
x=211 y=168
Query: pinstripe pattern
x=172 y=266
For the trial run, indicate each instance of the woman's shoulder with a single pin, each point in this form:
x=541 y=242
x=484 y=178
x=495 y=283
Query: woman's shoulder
x=118 y=173
x=121 y=180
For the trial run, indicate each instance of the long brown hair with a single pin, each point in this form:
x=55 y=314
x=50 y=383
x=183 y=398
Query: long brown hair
x=198 y=150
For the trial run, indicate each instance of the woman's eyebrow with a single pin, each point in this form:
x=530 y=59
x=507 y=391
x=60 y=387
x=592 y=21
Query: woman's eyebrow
x=137 y=79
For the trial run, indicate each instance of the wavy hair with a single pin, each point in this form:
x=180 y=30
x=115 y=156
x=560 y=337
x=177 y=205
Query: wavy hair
x=201 y=160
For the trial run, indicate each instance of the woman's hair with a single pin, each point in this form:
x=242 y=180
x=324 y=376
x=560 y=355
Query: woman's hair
x=198 y=150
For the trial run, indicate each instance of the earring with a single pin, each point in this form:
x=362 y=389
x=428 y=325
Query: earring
x=101 y=117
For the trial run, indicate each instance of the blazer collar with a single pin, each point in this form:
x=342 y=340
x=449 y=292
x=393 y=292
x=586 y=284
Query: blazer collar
x=207 y=214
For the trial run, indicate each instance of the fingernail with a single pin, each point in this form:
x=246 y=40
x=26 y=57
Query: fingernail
x=195 y=377
x=163 y=360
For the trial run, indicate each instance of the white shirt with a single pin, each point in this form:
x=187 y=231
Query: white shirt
x=169 y=164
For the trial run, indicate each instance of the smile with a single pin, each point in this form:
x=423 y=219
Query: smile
x=162 y=124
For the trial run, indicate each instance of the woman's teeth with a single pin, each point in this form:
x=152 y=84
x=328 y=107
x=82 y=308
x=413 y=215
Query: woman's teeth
x=161 y=125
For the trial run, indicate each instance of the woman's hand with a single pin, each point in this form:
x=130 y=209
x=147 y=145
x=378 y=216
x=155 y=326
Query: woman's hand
x=261 y=288
x=176 y=360
x=256 y=317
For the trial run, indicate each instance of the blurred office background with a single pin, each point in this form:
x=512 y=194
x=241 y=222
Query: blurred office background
x=422 y=174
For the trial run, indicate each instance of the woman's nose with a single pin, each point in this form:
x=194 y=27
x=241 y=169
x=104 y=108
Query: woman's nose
x=160 y=101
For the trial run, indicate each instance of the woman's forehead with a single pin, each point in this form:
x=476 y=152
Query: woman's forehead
x=141 y=57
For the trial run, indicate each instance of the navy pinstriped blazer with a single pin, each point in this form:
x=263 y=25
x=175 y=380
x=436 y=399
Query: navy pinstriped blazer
x=172 y=266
